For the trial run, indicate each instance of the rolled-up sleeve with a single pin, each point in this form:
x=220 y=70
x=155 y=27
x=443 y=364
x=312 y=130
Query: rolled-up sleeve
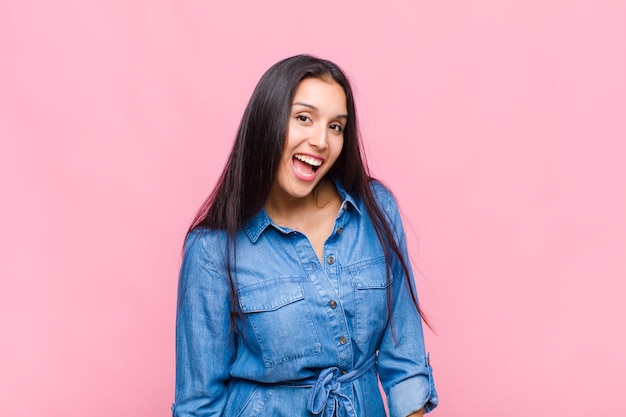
x=204 y=337
x=404 y=366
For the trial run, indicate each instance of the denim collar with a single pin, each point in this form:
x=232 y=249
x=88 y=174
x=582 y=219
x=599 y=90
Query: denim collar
x=260 y=221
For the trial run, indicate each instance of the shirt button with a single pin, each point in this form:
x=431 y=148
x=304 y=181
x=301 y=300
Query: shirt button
x=330 y=260
x=339 y=230
x=344 y=372
x=332 y=304
x=343 y=340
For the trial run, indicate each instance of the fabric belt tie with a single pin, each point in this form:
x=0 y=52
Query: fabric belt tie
x=325 y=397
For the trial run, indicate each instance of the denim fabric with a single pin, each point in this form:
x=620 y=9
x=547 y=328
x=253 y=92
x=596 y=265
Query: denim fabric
x=298 y=318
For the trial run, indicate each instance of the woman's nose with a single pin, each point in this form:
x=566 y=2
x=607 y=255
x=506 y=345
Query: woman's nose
x=319 y=138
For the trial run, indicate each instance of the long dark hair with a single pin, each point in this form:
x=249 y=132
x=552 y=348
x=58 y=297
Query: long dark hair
x=245 y=182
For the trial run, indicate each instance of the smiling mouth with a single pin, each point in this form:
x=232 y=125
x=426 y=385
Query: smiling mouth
x=307 y=164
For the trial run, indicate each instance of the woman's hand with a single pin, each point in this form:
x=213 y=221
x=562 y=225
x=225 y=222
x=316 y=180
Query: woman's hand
x=418 y=413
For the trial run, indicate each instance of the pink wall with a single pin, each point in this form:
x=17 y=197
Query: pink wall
x=500 y=125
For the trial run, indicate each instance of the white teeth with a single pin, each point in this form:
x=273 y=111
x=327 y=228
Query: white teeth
x=309 y=160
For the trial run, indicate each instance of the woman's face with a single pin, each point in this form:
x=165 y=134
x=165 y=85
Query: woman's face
x=314 y=137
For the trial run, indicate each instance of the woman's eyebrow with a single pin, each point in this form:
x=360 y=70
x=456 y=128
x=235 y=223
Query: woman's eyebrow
x=312 y=107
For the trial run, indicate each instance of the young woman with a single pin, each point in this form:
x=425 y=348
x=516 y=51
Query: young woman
x=296 y=294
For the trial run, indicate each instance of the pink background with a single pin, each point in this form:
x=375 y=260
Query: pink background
x=500 y=125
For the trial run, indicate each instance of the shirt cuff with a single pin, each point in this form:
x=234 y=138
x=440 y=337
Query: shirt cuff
x=413 y=394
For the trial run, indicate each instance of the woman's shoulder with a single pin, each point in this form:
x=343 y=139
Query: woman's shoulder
x=204 y=258
x=205 y=242
x=382 y=195
x=203 y=235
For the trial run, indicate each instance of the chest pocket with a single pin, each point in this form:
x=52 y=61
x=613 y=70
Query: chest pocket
x=369 y=281
x=279 y=316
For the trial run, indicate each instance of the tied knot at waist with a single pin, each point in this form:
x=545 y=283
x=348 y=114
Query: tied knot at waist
x=325 y=397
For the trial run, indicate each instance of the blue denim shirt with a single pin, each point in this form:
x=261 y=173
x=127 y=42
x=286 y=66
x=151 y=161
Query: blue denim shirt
x=303 y=321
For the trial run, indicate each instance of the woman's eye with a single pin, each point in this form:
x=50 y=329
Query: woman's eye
x=303 y=118
x=336 y=128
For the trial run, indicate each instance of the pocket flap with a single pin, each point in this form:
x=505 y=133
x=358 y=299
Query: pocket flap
x=371 y=276
x=270 y=297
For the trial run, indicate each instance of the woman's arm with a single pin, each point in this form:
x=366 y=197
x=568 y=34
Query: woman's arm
x=403 y=363
x=204 y=336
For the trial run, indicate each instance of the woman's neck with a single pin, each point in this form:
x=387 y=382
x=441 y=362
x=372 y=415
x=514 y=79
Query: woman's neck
x=313 y=215
x=288 y=211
